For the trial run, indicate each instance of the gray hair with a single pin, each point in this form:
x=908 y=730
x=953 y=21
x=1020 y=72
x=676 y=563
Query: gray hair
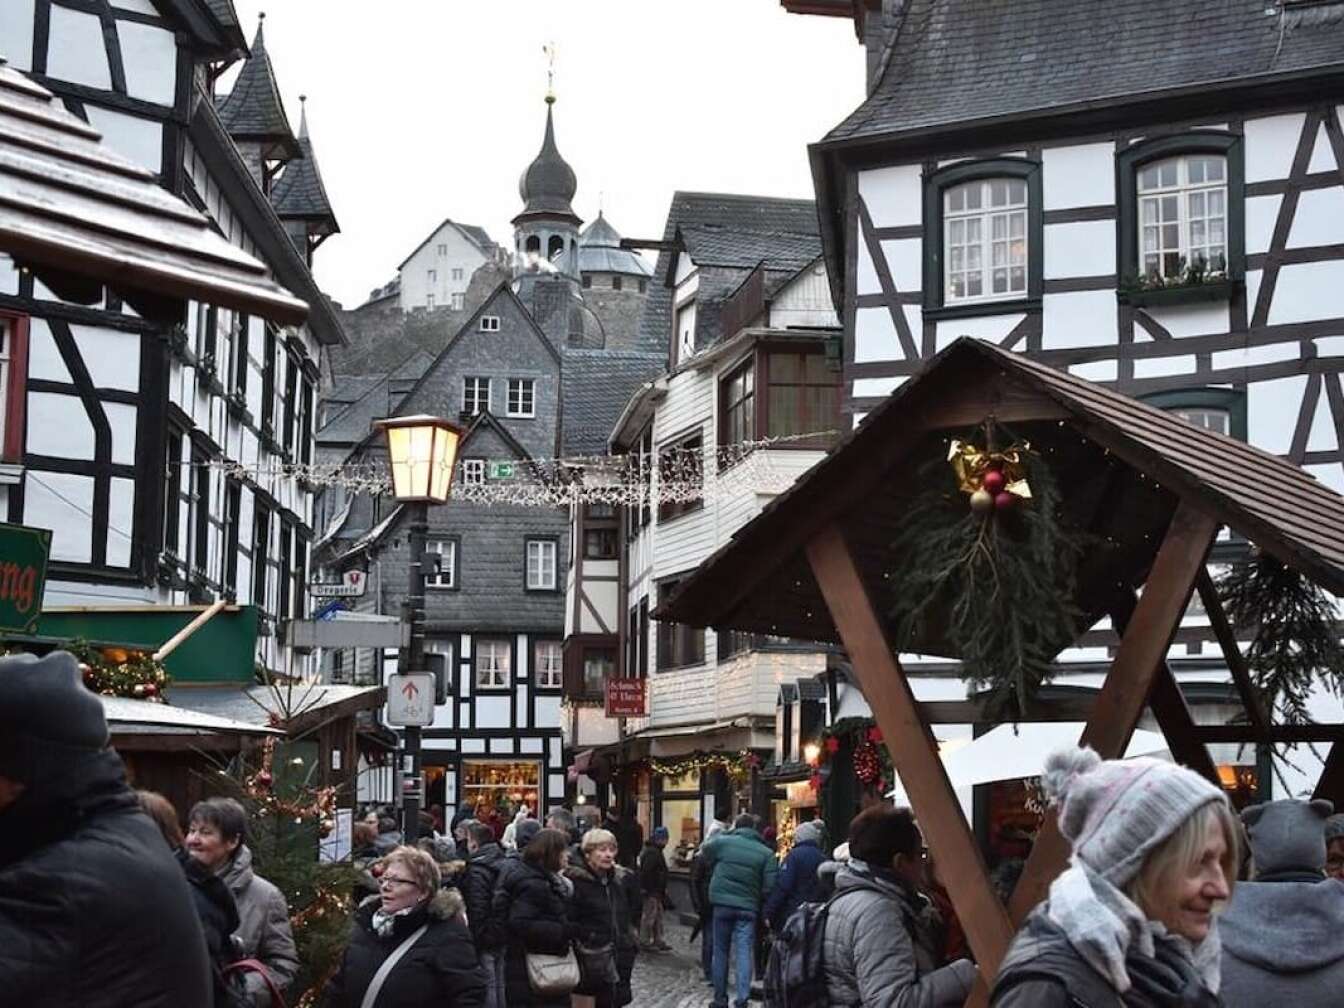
x=226 y=815
x=560 y=818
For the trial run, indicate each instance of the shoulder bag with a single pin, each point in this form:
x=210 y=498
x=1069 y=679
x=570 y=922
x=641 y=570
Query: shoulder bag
x=550 y=975
x=379 y=978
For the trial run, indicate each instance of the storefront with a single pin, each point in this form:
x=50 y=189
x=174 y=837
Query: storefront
x=487 y=784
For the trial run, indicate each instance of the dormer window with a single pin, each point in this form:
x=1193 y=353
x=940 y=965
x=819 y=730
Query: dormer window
x=685 y=331
x=489 y=323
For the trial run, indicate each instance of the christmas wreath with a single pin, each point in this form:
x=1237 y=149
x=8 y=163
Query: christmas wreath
x=984 y=559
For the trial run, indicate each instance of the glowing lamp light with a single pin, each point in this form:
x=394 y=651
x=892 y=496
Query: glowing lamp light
x=423 y=454
x=811 y=754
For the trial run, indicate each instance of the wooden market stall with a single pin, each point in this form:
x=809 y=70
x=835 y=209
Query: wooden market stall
x=1144 y=494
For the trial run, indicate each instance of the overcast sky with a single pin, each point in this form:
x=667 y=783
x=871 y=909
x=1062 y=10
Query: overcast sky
x=425 y=109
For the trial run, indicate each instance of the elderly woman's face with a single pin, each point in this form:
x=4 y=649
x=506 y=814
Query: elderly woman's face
x=1186 y=902
x=207 y=845
x=397 y=887
x=602 y=857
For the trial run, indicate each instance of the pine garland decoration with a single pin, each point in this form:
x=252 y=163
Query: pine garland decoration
x=1297 y=634
x=1004 y=581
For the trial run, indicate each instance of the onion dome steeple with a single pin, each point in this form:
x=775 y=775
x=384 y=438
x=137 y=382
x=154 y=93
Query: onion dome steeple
x=548 y=185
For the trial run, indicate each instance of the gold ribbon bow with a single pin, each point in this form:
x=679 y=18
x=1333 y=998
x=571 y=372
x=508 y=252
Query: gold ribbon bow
x=971 y=462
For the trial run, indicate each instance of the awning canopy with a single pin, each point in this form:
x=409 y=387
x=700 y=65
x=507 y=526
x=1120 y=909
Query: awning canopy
x=1011 y=752
x=302 y=706
x=126 y=716
x=83 y=217
x=223 y=649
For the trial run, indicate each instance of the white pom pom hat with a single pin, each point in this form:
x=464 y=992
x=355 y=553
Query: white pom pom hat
x=1115 y=812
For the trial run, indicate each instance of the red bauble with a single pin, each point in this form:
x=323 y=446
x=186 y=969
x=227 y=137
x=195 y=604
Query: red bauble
x=1004 y=500
x=994 y=481
x=150 y=689
x=814 y=782
x=832 y=744
x=875 y=734
x=264 y=779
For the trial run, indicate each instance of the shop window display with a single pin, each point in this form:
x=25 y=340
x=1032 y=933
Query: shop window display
x=500 y=784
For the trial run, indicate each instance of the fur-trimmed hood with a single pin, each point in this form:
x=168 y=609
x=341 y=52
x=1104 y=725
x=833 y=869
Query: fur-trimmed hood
x=445 y=904
x=582 y=873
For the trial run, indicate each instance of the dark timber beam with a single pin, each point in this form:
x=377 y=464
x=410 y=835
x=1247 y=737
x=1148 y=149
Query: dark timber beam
x=912 y=751
x=1331 y=784
x=1275 y=734
x=1169 y=707
x=1236 y=662
x=1143 y=648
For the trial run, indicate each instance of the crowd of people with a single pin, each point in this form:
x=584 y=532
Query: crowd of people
x=105 y=901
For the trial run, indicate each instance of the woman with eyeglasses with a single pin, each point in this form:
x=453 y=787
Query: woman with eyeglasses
x=420 y=925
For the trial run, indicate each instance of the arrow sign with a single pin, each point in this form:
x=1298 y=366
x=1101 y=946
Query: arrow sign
x=410 y=699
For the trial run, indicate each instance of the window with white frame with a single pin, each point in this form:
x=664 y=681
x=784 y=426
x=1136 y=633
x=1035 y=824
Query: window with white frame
x=547 y=661
x=433 y=276
x=473 y=472
x=429 y=300
x=541 y=573
x=985 y=239
x=475 y=395
x=1183 y=215
x=442 y=569
x=457 y=273
x=493 y=662
x=522 y=398
x=489 y=323
x=459 y=301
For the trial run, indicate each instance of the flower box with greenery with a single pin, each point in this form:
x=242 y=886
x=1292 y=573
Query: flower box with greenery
x=1189 y=282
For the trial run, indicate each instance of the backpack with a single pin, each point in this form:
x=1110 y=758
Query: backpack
x=795 y=975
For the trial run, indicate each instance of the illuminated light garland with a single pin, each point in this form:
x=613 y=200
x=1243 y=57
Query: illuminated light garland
x=683 y=475
x=738 y=764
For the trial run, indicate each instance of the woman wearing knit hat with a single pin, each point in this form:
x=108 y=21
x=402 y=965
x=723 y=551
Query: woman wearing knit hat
x=1131 y=921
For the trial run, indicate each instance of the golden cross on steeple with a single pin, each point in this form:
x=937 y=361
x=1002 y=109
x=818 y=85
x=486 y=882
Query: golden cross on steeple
x=549 y=50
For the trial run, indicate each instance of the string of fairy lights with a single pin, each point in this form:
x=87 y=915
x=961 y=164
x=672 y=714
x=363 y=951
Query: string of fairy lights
x=684 y=474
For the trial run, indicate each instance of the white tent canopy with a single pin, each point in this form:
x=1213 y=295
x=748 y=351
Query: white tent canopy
x=1011 y=752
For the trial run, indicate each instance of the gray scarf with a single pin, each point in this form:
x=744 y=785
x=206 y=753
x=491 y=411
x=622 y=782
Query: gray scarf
x=1104 y=926
x=383 y=922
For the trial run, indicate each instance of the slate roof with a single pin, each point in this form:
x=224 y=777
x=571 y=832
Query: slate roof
x=771 y=229
x=253 y=110
x=958 y=61
x=548 y=184
x=595 y=386
x=600 y=251
x=299 y=193
x=367 y=397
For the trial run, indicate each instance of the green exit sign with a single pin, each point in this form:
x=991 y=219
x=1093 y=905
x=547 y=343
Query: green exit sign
x=23 y=575
x=501 y=470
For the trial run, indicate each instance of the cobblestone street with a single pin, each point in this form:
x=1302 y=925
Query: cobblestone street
x=672 y=979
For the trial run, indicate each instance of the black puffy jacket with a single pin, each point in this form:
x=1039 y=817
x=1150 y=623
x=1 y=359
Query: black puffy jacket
x=218 y=915
x=439 y=969
x=606 y=909
x=534 y=907
x=477 y=883
x=94 y=910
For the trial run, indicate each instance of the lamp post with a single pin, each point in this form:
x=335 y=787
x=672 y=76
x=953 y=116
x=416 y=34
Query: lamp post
x=422 y=453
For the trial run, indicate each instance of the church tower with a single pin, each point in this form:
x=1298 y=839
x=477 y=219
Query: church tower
x=546 y=232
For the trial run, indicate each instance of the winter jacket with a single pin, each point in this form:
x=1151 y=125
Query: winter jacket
x=477 y=884
x=1283 y=934
x=1042 y=970
x=439 y=969
x=605 y=909
x=94 y=910
x=879 y=947
x=797 y=882
x=743 y=870
x=652 y=871
x=263 y=926
x=219 y=919
x=534 y=907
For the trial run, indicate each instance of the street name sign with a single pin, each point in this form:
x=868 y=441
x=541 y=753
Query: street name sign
x=23 y=575
x=351 y=585
x=410 y=699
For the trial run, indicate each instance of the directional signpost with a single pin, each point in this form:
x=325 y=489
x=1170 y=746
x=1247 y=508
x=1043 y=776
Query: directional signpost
x=410 y=699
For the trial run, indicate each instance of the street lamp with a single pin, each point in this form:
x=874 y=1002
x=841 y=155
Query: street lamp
x=422 y=453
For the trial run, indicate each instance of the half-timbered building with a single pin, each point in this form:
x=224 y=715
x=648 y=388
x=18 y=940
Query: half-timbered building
x=741 y=306
x=161 y=450
x=1149 y=196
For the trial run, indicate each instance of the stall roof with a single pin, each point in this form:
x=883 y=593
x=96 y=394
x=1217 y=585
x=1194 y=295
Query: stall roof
x=135 y=716
x=1124 y=465
x=310 y=705
x=83 y=217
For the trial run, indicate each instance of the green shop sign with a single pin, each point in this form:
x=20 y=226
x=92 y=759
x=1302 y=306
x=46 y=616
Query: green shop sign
x=23 y=575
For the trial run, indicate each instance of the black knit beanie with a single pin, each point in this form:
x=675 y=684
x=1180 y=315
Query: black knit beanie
x=46 y=714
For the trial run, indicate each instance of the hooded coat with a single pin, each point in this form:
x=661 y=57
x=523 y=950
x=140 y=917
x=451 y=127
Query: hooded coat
x=263 y=926
x=439 y=969
x=478 y=889
x=535 y=911
x=797 y=883
x=879 y=948
x=1283 y=934
x=94 y=911
x=605 y=910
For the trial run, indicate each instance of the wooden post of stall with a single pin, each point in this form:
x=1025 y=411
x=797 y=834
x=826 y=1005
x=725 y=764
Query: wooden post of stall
x=1143 y=649
x=913 y=754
